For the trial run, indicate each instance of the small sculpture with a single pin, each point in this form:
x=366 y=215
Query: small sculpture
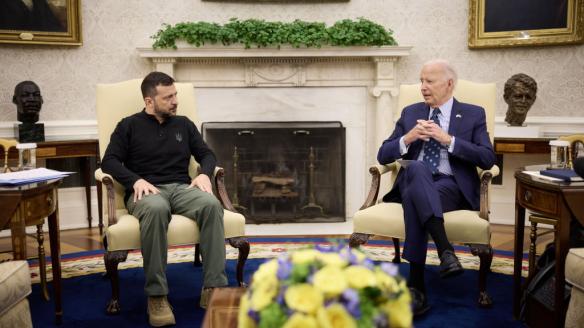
x=28 y=100
x=520 y=93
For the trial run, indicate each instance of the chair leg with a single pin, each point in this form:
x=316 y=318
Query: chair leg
x=42 y=262
x=242 y=246
x=197 y=262
x=112 y=259
x=357 y=239
x=485 y=254
x=396 y=257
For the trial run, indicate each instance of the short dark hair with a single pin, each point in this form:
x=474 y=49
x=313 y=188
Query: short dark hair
x=524 y=79
x=152 y=80
x=21 y=85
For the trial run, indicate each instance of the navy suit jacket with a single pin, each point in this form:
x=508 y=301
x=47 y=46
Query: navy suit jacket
x=472 y=147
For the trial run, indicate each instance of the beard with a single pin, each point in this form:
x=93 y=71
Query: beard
x=164 y=114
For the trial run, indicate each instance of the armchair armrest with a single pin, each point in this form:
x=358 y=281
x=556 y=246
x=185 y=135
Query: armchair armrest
x=376 y=172
x=108 y=181
x=219 y=176
x=486 y=176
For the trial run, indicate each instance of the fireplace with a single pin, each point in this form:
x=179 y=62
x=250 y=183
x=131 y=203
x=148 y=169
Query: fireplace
x=282 y=171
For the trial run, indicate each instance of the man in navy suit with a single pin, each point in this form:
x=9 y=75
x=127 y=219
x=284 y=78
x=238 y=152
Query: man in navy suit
x=445 y=140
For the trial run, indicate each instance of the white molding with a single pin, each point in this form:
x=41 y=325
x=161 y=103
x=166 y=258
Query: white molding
x=184 y=51
x=550 y=126
x=57 y=130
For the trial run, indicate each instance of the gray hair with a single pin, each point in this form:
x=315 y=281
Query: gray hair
x=448 y=69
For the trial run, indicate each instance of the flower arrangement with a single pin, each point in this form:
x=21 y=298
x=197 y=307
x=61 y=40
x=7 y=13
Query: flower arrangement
x=326 y=286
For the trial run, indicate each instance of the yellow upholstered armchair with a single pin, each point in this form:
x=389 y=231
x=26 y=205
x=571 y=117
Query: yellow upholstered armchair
x=122 y=231
x=471 y=228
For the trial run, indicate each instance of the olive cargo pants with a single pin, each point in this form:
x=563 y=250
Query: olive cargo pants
x=154 y=213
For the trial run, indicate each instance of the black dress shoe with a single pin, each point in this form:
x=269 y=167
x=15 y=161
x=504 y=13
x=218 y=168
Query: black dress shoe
x=449 y=265
x=419 y=302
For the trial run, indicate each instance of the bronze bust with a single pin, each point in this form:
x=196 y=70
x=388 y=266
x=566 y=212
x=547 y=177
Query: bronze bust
x=28 y=100
x=519 y=94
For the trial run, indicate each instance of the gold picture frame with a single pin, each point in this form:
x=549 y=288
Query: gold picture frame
x=56 y=22
x=496 y=24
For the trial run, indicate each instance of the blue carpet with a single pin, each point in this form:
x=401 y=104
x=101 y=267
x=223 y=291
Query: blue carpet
x=453 y=300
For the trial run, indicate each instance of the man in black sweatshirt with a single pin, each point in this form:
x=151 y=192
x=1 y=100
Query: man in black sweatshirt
x=149 y=155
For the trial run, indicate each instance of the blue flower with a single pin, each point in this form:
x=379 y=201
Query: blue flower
x=368 y=263
x=284 y=269
x=350 y=299
x=254 y=315
x=389 y=268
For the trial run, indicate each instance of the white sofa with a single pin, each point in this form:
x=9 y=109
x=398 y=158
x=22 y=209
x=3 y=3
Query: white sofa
x=575 y=276
x=14 y=288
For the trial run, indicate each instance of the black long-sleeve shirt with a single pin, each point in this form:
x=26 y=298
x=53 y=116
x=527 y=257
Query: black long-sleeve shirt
x=141 y=147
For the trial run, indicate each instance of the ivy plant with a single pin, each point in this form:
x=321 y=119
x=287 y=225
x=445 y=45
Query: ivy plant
x=260 y=33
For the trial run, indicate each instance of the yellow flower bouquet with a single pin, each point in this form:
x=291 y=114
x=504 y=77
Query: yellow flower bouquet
x=328 y=287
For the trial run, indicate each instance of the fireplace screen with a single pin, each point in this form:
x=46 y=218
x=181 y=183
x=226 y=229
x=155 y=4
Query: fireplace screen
x=282 y=171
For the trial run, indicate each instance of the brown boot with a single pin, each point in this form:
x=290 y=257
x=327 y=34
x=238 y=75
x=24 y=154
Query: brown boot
x=159 y=312
x=205 y=296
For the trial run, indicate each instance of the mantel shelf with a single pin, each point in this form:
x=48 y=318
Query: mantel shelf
x=239 y=51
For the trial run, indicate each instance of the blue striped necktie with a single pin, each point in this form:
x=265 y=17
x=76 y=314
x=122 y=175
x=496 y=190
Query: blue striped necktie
x=432 y=147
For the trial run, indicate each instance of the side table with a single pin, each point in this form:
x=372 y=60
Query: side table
x=560 y=201
x=26 y=205
x=223 y=308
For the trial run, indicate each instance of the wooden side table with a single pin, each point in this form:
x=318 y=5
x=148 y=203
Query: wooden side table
x=26 y=205
x=84 y=150
x=223 y=308
x=560 y=201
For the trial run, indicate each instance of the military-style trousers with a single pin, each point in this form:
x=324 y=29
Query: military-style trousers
x=154 y=213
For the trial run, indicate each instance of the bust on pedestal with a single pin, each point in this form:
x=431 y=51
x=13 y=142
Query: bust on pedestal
x=519 y=94
x=28 y=100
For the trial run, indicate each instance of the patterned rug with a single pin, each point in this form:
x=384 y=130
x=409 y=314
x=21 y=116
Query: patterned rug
x=85 y=263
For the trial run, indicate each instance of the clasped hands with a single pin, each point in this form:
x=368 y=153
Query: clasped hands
x=425 y=130
x=144 y=188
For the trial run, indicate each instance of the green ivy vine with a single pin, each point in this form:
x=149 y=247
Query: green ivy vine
x=260 y=33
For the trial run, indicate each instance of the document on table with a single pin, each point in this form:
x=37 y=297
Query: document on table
x=30 y=176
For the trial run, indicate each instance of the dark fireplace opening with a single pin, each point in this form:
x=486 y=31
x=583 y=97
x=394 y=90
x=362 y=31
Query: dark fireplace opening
x=280 y=172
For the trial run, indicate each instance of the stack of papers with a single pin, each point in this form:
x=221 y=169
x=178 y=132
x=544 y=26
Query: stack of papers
x=30 y=176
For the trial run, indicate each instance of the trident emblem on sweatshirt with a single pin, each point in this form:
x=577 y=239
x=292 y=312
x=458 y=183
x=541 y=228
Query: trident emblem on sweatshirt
x=178 y=137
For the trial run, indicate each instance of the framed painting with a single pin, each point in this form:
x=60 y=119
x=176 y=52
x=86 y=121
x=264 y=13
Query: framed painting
x=504 y=23
x=51 y=22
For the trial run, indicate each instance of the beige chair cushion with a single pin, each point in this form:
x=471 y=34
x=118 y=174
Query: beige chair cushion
x=14 y=288
x=125 y=234
x=386 y=219
x=575 y=268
